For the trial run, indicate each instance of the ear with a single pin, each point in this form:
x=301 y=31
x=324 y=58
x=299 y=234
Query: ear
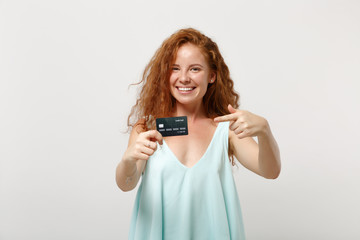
x=212 y=77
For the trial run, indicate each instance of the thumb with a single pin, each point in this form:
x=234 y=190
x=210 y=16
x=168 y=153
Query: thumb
x=231 y=109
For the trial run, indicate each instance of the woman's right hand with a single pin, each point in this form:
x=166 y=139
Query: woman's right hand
x=143 y=146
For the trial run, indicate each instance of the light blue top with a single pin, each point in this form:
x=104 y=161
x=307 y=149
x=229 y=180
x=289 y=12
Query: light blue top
x=177 y=202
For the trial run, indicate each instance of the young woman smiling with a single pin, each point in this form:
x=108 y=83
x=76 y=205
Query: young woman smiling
x=187 y=189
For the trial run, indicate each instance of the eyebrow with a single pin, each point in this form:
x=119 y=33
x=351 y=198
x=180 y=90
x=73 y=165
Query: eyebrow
x=191 y=65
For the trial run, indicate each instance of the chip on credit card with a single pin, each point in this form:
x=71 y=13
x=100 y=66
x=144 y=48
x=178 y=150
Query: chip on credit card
x=172 y=126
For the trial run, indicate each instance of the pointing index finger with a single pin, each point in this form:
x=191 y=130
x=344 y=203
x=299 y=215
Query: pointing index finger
x=225 y=118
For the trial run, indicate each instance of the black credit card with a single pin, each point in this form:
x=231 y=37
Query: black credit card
x=172 y=126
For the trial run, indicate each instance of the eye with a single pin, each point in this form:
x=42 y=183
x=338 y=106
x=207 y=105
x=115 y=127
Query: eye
x=195 y=69
x=175 y=69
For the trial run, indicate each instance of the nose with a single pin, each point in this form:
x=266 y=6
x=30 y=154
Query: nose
x=184 y=77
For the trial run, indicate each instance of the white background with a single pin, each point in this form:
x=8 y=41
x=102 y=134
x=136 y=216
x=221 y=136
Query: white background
x=65 y=68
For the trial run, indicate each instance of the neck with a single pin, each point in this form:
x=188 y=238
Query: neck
x=193 y=113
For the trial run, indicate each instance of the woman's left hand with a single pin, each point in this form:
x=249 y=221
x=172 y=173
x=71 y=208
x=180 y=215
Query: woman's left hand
x=244 y=123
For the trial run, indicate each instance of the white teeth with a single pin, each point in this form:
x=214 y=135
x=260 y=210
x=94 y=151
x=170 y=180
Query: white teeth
x=186 y=89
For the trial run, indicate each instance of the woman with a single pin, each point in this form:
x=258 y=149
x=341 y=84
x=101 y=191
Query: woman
x=187 y=189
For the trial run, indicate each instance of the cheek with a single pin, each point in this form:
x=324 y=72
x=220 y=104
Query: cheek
x=204 y=80
x=172 y=79
x=171 y=85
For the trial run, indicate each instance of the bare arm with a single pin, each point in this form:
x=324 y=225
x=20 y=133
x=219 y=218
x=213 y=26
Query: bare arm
x=142 y=144
x=262 y=158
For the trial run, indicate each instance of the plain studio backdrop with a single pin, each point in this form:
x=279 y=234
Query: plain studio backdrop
x=65 y=70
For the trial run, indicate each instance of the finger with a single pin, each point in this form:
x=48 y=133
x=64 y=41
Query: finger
x=147 y=151
x=238 y=130
x=155 y=136
x=243 y=134
x=231 y=109
x=226 y=118
x=142 y=156
x=151 y=144
x=233 y=125
x=237 y=124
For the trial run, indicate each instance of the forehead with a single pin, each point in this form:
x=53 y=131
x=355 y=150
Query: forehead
x=189 y=51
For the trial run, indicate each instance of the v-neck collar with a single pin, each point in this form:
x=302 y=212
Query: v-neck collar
x=201 y=158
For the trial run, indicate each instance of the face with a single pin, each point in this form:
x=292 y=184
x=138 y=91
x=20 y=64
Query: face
x=190 y=75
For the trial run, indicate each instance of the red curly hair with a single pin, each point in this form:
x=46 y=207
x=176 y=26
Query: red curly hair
x=155 y=99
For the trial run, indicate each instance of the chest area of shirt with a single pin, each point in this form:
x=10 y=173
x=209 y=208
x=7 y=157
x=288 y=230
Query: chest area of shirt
x=190 y=149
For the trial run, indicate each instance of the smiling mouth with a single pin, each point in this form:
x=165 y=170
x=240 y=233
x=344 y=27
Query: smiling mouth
x=185 y=89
